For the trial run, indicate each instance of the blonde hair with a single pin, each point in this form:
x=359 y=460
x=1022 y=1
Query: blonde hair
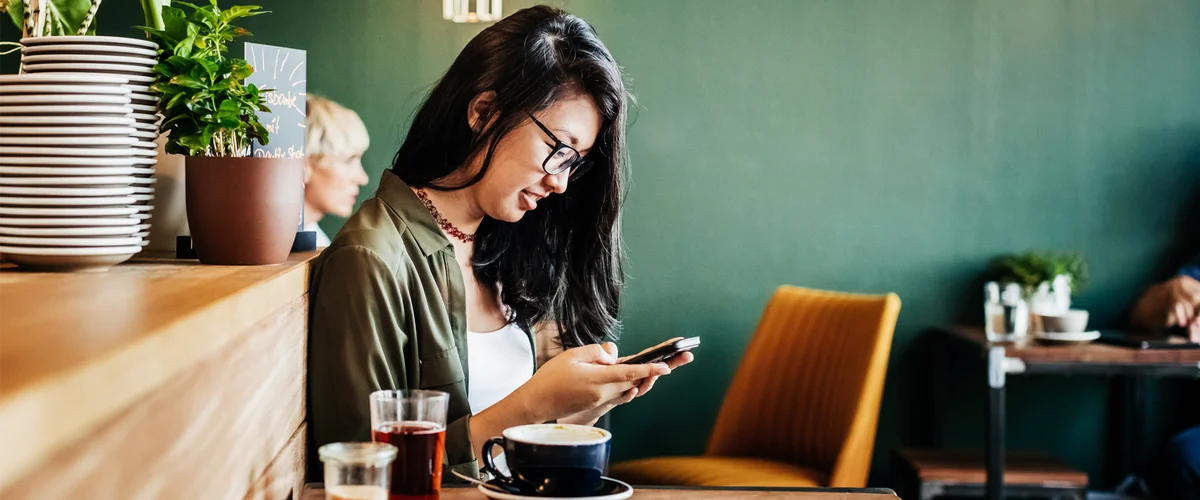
x=334 y=130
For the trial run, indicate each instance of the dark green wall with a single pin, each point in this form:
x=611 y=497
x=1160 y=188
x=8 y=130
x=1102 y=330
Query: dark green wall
x=865 y=146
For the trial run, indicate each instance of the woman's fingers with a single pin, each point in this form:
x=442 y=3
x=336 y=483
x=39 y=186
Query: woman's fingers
x=617 y=379
x=646 y=385
x=680 y=359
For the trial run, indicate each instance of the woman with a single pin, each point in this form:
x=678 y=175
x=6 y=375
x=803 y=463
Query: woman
x=333 y=173
x=474 y=230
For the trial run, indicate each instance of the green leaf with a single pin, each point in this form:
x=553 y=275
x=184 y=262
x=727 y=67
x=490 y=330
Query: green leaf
x=182 y=63
x=175 y=101
x=175 y=23
x=240 y=69
x=241 y=11
x=186 y=81
x=184 y=47
x=229 y=110
x=16 y=12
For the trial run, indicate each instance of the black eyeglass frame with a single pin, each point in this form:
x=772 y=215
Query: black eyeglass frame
x=577 y=167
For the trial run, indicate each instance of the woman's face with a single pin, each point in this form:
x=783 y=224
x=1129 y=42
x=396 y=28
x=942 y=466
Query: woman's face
x=515 y=181
x=331 y=186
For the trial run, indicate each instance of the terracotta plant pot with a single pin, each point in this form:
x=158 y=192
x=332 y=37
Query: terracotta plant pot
x=243 y=211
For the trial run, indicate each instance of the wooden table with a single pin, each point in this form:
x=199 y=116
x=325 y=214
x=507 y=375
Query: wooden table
x=154 y=379
x=1031 y=357
x=932 y=474
x=460 y=492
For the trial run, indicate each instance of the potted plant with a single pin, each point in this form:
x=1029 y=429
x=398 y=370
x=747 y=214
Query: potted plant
x=53 y=17
x=1034 y=269
x=242 y=210
x=1048 y=281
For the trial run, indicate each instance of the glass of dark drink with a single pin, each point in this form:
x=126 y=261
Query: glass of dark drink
x=415 y=423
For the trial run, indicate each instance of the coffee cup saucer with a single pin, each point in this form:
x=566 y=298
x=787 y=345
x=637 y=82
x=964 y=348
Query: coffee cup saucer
x=610 y=489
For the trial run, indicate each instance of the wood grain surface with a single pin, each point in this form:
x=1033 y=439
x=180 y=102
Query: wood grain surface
x=85 y=355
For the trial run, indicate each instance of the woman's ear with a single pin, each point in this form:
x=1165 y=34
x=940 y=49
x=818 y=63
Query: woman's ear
x=480 y=107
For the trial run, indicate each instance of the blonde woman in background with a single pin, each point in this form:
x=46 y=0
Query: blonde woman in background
x=333 y=174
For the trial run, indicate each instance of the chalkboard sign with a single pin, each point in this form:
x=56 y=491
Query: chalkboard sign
x=284 y=70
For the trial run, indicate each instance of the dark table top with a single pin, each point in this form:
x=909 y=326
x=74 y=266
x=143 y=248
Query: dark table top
x=1035 y=354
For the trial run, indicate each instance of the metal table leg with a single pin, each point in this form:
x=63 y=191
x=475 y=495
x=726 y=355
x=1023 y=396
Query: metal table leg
x=994 y=448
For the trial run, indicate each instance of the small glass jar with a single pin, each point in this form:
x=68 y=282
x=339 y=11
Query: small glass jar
x=1006 y=314
x=357 y=471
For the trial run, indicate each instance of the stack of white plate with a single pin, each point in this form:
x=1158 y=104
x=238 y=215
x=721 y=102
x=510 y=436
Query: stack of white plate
x=74 y=191
x=128 y=57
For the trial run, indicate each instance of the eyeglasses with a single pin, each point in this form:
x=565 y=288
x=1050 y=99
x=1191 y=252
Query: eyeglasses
x=562 y=156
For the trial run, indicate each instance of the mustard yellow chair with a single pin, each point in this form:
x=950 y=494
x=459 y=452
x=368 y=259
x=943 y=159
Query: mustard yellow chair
x=804 y=404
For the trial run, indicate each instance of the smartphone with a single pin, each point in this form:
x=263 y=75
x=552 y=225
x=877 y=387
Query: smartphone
x=664 y=352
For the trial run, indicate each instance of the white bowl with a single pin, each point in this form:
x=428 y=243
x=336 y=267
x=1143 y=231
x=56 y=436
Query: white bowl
x=135 y=77
x=68 y=141
x=144 y=108
x=145 y=117
x=65 y=192
x=129 y=231
x=1073 y=321
x=51 y=88
x=75 y=48
x=64 y=79
x=28 y=99
x=124 y=221
x=14 y=154
x=143 y=98
x=120 y=69
x=69 y=121
x=37 y=41
x=67 y=201
x=69 y=211
x=87 y=58
x=83 y=132
x=144 y=135
x=68 y=258
x=77 y=171
x=66 y=161
x=12 y=182
x=111 y=110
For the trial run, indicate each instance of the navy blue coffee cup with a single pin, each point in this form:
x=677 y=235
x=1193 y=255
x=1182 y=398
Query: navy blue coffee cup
x=553 y=460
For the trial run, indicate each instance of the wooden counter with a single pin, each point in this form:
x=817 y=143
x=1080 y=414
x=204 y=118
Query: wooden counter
x=155 y=379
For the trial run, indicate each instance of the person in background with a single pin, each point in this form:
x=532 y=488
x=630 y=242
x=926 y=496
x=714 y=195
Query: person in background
x=333 y=173
x=1175 y=304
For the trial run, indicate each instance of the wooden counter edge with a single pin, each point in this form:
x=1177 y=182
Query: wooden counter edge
x=49 y=414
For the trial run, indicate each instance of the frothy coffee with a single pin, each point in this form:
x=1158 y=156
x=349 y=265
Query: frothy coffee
x=557 y=434
x=357 y=492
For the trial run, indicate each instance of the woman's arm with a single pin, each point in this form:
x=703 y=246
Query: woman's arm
x=356 y=344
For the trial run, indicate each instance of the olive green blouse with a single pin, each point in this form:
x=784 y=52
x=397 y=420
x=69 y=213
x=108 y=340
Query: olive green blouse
x=387 y=311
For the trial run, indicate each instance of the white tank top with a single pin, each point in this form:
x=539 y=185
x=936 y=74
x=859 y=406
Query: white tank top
x=497 y=362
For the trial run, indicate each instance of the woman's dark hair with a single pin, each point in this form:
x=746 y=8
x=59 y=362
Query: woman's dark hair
x=560 y=262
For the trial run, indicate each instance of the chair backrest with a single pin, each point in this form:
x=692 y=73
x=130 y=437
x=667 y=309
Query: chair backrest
x=807 y=390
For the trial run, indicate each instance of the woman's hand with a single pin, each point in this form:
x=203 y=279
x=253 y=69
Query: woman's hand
x=1182 y=294
x=1173 y=303
x=580 y=380
x=589 y=417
